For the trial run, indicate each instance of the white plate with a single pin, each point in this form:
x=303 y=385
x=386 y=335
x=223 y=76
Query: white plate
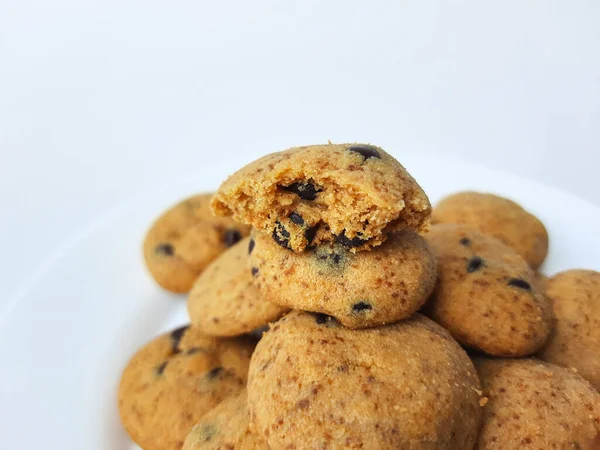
x=66 y=335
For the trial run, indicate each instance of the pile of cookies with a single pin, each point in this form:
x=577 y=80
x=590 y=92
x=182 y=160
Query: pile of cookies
x=331 y=308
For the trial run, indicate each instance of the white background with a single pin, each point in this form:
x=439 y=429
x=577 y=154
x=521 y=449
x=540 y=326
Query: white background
x=104 y=101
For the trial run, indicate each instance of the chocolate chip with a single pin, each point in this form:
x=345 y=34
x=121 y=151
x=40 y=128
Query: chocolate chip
x=333 y=257
x=361 y=306
x=165 y=249
x=310 y=233
x=520 y=283
x=214 y=373
x=251 y=245
x=254 y=271
x=296 y=218
x=176 y=336
x=281 y=235
x=465 y=241
x=231 y=237
x=160 y=369
x=305 y=190
x=474 y=264
x=365 y=150
x=350 y=243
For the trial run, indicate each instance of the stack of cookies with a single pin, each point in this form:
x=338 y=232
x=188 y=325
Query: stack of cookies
x=341 y=319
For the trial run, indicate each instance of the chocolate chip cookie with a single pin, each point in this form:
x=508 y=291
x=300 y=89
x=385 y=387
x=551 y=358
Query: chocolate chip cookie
x=224 y=300
x=575 y=338
x=502 y=218
x=536 y=405
x=486 y=296
x=174 y=380
x=226 y=427
x=361 y=290
x=185 y=239
x=351 y=194
x=316 y=384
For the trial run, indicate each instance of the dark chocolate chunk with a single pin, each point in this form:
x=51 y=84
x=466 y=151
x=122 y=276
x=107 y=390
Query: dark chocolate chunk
x=365 y=150
x=214 y=373
x=176 y=336
x=474 y=264
x=356 y=241
x=281 y=235
x=305 y=190
x=254 y=271
x=520 y=283
x=251 y=245
x=160 y=369
x=361 y=306
x=165 y=249
x=465 y=241
x=296 y=218
x=231 y=237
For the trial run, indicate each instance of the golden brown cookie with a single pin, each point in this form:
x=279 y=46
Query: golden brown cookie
x=502 y=218
x=174 y=380
x=185 y=239
x=361 y=290
x=353 y=194
x=535 y=405
x=575 y=339
x=224 y=301
x=314 y=384
x=226 y=427
x=486 y=296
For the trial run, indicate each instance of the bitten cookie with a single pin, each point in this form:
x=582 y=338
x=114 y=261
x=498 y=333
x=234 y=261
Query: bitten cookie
x=535 y=405
x=486 y=296
x=225 y=427
x=174 y=380
x=224 y=301
x=500 y=217
x=575 y=339
x=353 y=194
x=185 y=239
x=314 y=384
x=361 y=290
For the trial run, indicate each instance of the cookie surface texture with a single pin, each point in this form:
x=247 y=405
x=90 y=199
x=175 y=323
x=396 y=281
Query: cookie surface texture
x=533 y=404
x=486 y=295
x=504 y=219
x=575 y=338
x=185 y=239
x=225 y=427
x=361 y=290
x=353 y=194
x=174 y=380
x=316 y=384
x=224 y=300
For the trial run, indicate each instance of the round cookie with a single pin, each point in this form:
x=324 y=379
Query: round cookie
x=486 y=296
x=224 y=301
x=575 y=338
x=174 y=380
x=185 y=239
x=226 y=426
x=535 y=405
x=361 y=290
x=502 y=218
x=316 y=384
x=353 y=194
